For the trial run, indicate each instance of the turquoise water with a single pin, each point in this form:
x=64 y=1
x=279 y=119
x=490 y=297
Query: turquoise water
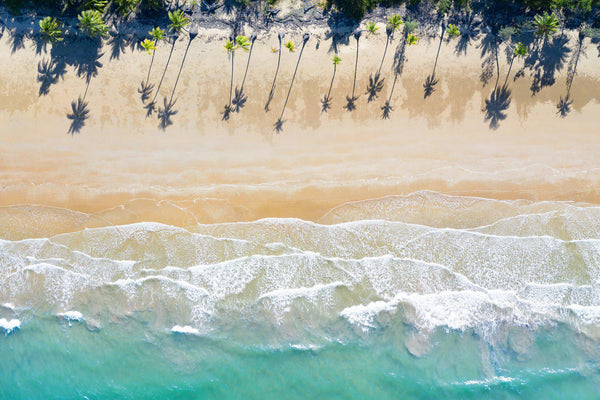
x=50 y=359
x=500 y=300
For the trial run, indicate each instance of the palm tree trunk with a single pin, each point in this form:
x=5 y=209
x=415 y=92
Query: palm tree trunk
x=438 y=53
x=512 y=60
x=332 y=78
x=231 y=83
x=86 y=89
x=247 y=65
x=180 y=69
x=274 y=79
x=150 y=67
x=292 y=83
x=355 y=68
x=574 y=68
x=165 y=70
x=387 y=41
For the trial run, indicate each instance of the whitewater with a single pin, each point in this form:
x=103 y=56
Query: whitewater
x=377 y=299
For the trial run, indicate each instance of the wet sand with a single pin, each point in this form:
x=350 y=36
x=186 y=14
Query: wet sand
x=121 y=168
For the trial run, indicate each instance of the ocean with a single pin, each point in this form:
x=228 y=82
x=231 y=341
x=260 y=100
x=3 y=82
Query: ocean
x=425 y=296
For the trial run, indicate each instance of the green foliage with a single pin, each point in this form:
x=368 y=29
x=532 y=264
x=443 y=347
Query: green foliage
x=126 y=7
x=148 y=45
x=51 y=29
x=412 y=39
x=229 y=46
x=452 y=31
x=394 y=22
x=157 y=34
x=291 y=46
x=521 y=50
x=444 y=6
x=92 y=24
x=336 y=60
x=98 y=5
x=410 y=26
x=178 y=21
x=545 y=25
x=372 y=28
x=243 y=42
x=355 y=9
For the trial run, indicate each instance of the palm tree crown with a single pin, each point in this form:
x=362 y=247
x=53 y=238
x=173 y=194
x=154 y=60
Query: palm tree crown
x=545 y=25
x=452 y=31
x=394 y=22
x=291 y=46
x=229 y=46
x=51 y=29
x=91 y=22
x=336 y=60
x=412 y=39
x=157 y=34
x=372 y=28
x=521 y=50
x=242 y=42
x=178 y=21
x=148 y=45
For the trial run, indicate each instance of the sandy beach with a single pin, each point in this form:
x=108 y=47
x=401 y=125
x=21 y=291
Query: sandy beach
x=121 y=168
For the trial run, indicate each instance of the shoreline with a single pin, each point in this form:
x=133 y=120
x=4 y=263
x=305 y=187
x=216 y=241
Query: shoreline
x=242 y=170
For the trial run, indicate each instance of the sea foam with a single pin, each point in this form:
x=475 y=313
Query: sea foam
x=9 y=326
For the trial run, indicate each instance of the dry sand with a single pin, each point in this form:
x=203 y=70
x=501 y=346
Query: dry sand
x=121 y=168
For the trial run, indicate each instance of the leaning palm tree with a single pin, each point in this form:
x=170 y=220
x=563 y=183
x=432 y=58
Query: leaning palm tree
x=291 y=47
x=157 y=34
x=50 y=29
x=178 y=22
x=564 y=105
x=280 y=36
x=240 y=97
x=410 y=39
x=375 y=81
x=545 y=25
x=92 y=23
x=326 y=102
x=164 y=115
x=431 y=81
x=230 y=47
x=351 y=100
x=519 y=51
x=372 y=28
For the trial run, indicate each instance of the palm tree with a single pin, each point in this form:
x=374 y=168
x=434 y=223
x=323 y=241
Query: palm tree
x=372 y=28
x=91 y=23
x=240 y=98
x=164 y=115
x=280 y=121
x=326 y=102
x=157 y=34
x=520 y=51
x=545 y=25
x=409 y=40
x=564 y=104
x=431 y=81
x=178 y=21
x=148 y=45
x=51 y=31
x=230 y=47
x=375 y=82
x=272 y=92
x=291 y=46
x=350 y=105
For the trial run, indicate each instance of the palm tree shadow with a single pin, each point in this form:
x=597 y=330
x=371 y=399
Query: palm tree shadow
x=279 y=125
x=48 y=75
x=145 y=90
x=351 y=99
x=386 y=110
x=551 y=58
x=496 y=106
x=280 y=37
x=375 y=86
x=239 y=99
x=78 y=116
x=325 y=103
x=165 y=114
x=469 y=32
x=564 y=106
x=226 y=113
x=429 y=85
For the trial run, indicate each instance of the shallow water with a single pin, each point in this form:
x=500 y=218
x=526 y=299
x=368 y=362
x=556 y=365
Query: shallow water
x=424 y=296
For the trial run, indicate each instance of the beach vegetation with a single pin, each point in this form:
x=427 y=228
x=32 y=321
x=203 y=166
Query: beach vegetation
x=291 y=46
x=157 y=34
x=178 y=21
x=521 y=50
x=50 y=29
x=394 y=22
x=412 y=39
x=242 y=42
x=92 y=23
x=545 y=25
x=148 y=45
x=372 y=28
x=452 y=31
